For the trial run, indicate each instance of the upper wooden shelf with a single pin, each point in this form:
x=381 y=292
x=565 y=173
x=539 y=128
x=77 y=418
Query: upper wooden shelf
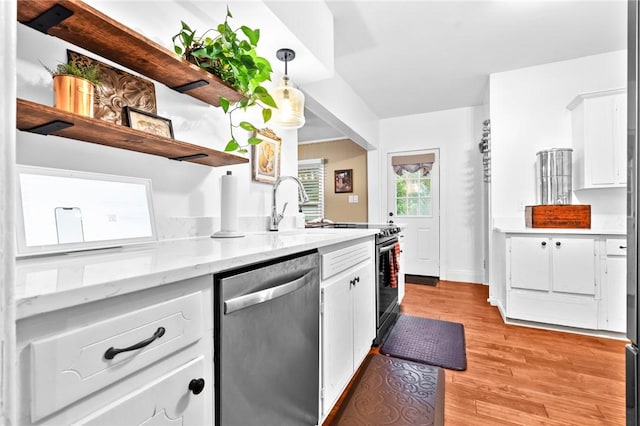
x=42 y=119
x=84 y=26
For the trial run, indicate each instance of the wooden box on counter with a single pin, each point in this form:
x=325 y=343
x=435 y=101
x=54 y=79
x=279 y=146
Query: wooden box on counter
x=558 y=216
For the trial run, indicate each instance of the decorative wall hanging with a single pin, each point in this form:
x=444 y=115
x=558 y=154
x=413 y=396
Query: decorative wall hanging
x=343 y=180
x=266 y=157
x=147 y=122
x=118 y=89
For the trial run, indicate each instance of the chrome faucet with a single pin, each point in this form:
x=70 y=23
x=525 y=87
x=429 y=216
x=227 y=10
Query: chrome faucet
x=302 y=198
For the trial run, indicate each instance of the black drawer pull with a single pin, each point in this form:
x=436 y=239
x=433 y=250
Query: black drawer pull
x=544 y=243
x=196 y=386
x=112 y=352
x=558 y=243
x=623 y=247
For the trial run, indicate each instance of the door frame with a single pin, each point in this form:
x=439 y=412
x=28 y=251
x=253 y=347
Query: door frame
x=384 y=184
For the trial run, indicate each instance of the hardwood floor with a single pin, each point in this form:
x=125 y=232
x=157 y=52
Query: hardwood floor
x=518 y=375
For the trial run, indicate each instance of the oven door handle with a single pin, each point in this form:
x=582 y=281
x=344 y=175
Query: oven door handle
x=387 y=248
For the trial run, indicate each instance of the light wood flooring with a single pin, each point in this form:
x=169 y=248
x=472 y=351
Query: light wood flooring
x=518 y=375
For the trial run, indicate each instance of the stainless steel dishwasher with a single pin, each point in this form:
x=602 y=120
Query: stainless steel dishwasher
x=267 y=343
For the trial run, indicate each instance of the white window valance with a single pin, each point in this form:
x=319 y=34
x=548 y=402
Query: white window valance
x=413 y=163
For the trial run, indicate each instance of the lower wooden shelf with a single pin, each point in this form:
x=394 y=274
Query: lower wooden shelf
x=43 y=119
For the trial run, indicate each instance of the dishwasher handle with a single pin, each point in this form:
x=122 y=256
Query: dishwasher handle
x=247 y=300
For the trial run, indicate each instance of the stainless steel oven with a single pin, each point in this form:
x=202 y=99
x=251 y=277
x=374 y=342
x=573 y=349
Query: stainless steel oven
x=386 y=282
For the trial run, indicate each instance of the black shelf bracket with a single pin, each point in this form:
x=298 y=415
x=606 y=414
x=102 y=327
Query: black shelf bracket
x=189 y=157
x=190 y=86
x=48 y=128
x=49 y=18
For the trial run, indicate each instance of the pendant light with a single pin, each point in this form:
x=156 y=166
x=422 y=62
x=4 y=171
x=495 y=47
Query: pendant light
x=290 y=101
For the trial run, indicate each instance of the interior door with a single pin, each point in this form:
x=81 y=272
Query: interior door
x=413 y=199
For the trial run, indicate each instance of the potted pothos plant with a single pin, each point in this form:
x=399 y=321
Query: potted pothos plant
x=231 y=55
x=74 y=86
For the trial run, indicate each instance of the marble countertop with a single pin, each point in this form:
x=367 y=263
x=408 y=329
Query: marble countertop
x=576 y=231
x=49 y=283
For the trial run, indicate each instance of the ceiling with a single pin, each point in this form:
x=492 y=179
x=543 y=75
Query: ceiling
x=411 y=57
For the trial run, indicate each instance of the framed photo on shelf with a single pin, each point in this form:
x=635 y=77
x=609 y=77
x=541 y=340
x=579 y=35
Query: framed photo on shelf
x=148 y=122
x=265 y=157
x=343 y=180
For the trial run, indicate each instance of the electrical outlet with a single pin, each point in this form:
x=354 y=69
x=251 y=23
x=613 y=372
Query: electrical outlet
x=355 y=199
x=521 y=205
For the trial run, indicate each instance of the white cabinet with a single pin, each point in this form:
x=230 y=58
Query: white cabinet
x=599 y=139
x=347 y=317
x=161 y=339
x=553 y=279
x=164 y=401
x=614 y=297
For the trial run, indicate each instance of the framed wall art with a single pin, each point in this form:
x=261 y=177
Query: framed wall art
x=117 y=89
x=265 y=157
x=343 y=180
x=147 y=122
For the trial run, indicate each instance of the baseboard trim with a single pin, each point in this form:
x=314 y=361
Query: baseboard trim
x=462 y=275
x=566 y=329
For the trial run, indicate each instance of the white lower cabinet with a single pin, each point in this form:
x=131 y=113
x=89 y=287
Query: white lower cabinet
x=614 y=316
x=347 y=321
x=166 y=401
x=553 y=279
x=128 y=359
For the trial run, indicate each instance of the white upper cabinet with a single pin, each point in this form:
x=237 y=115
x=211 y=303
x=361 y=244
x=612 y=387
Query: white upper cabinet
x=599 y=139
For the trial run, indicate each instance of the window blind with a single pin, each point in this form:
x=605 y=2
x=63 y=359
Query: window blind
x=311 y=174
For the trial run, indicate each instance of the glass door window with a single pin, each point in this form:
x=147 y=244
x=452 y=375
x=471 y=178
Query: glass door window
x=413 y=194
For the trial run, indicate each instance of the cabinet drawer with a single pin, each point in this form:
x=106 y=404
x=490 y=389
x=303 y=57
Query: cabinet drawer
x=340 y=260
x=167 y=400
x=69 y=366
x=616 y=246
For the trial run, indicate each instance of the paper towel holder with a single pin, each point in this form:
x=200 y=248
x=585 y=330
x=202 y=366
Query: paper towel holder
x=226 y=233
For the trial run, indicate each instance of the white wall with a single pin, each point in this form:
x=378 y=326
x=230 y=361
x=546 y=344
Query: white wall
x=181 y=189
x=528 y=114
x=456 y=133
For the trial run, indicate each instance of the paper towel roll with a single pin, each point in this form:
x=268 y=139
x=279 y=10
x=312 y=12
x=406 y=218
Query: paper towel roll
x=228 y=207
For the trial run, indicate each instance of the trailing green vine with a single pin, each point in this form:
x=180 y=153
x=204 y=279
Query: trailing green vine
x=231 y=55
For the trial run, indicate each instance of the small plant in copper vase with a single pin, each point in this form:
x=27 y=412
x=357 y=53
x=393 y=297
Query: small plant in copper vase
x=74 y=87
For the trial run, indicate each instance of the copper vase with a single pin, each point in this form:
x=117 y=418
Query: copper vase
x=73 y=94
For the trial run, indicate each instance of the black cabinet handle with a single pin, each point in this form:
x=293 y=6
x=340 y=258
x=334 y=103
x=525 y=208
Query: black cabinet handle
x=623 y=247
x=558 y=243
x=196 y=386
x=112 y=352
x=354 y=281
x=544 y=243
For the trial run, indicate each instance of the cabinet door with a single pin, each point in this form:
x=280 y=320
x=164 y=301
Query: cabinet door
x=573 y=269
x=599 y=143
x=529 y=263
x=337 y=338
x=616 y=293
x=166 y=401
x=364 y=311
x=620 y=137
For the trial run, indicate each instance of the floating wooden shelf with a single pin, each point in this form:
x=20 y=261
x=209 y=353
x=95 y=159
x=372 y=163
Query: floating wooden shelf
x=82 y=25
x=42 y=119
